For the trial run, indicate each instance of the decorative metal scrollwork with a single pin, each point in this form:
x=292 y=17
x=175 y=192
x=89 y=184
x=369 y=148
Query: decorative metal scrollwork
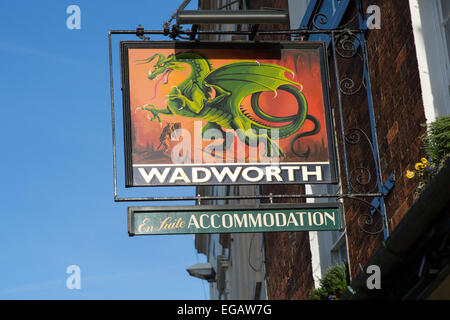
x=347 y=47
x=323 y=21
x=348 y=87
x=347 y=44
x=320 y=22
x=360 y=175
x=367 y=221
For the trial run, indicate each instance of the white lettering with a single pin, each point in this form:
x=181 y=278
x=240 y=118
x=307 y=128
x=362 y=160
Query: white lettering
x=320 y=222
x=306 y=173
x=292 y=219
x=291 y=176
x=212 y=221
x=179 y=174
x=273 y=172
x=226 y=172
x=198 y=142
x=300 y=215
x=251 y=140
x=255 y=222
x=277 y=219
x=154 y=172
x=240 y=221
x=260 y=174
x=74 y=280
x=74 y=20
x=220 y=174
x=267 y=224
x=213 y=148
x=181 y=152
x=193 y=221
x=330 y=217
x=201 y=221
x=374 y=280
x=230 y=221
x=374 y=20
x=195 y=177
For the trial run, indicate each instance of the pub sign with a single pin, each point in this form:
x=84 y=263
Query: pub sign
x=226 y=113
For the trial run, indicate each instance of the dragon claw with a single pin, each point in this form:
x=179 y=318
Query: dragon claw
x=153 y=110
x=155 y=116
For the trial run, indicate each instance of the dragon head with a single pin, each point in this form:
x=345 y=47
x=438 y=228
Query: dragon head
x=163 y=67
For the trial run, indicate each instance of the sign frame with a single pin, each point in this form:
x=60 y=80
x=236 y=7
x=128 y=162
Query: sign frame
x=325 y=82
x=223 y=209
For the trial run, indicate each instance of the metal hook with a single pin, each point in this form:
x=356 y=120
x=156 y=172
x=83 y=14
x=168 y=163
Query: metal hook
x=140 y=33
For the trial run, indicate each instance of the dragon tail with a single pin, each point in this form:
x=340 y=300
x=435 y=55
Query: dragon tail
x=296 y=120
x=305 y=134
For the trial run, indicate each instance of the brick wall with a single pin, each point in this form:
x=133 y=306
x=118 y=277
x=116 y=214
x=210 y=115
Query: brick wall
x=287 y=254
x=258 y=4
x=288 y=273
x=287 y=257
x=398 y=102
x=279 y=4
x=398 y=110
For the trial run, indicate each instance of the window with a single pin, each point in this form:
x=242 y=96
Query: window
x=339 y=248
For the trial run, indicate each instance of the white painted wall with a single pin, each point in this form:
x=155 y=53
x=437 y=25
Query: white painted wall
x=321 y=243
x=432 y=56
x=297 y=9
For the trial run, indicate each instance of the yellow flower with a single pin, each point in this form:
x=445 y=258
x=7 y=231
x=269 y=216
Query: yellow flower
x=424 y=161
x=419 y=166
x=409 y=174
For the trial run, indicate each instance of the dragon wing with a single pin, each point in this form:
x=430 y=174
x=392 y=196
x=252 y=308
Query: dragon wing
x=244 y=78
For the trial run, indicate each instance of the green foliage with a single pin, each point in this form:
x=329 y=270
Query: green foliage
x=437 y=147
x=333 y=284
x=437 y=139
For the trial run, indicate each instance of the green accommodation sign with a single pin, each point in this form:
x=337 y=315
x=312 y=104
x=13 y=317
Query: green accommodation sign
x=232 y=219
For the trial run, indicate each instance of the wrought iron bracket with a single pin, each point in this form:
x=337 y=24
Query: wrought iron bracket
x=194 y=32
x=269 y=197
x=177 y=32
x=387 y=187
x=254 y=31
x=140 y=33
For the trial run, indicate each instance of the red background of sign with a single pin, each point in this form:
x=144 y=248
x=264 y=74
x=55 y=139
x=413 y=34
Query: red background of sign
x=146 y=134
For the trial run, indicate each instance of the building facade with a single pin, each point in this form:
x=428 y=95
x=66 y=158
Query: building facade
x=237 y=258
x=383 y=86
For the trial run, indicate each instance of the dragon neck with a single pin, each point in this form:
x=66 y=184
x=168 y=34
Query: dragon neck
x=200 y=67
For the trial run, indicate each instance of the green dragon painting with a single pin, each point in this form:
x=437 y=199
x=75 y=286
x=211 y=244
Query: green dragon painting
x=232 y=83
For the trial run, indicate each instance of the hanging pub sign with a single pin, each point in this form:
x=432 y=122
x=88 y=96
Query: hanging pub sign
x=226 y=113
x=231 y=219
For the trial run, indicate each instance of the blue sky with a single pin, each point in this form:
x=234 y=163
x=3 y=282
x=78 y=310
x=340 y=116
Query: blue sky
x=56 y=189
